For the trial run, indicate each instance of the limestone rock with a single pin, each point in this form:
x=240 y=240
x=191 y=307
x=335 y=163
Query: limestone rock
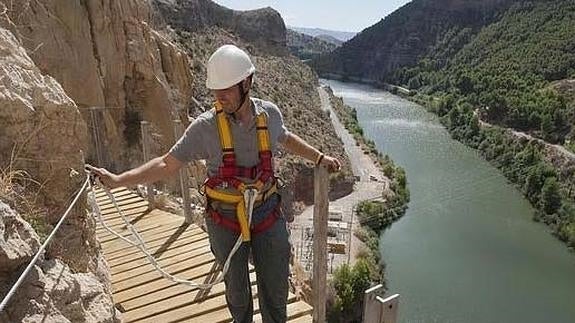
x=51 y=292
x=106 y=54
x=264 y=28
x=18 y=242
x=42 y=134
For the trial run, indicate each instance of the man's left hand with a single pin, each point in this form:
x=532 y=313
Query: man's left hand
x=333 y=165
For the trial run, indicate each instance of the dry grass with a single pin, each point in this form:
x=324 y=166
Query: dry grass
x=19 y=190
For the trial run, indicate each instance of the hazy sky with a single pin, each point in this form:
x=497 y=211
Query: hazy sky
x=344 y=15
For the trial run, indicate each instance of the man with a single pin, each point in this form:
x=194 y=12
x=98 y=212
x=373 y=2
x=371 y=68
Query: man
x=238 y=138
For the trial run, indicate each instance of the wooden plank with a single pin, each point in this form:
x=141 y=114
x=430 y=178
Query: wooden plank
x=146 y=221
x=297 y=311
x=105 y=202
x=137 y=214
x=153 y=235
x=100 y=192
x=302 y=319
x=174 y=269
x=139 y=207
x=122 y=201
x=136 y=291
x=102 y=198
x=220 y=318
x=155 y=299
x=102 y=233
x=211 y=310
x=152 y=239
x=142 y=261
x=320 y=217
x=164 y=263
x=196 y=296
x=105 y=236
x=177 y=248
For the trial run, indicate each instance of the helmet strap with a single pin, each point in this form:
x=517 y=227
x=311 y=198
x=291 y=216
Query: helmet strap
x=243 y=96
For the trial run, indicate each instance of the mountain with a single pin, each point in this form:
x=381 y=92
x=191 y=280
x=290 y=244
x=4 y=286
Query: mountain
x=342 y=36
x=500 y=74
x=330 y=39
x=518 y=66
x=305 y=46
x=406 y=35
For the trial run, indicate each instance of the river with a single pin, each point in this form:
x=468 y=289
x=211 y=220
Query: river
x=467 y=249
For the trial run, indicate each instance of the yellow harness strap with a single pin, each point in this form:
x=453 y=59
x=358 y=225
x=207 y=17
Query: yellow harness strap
x=226 y=142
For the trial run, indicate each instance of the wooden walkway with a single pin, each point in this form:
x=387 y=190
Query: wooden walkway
x=141 y=293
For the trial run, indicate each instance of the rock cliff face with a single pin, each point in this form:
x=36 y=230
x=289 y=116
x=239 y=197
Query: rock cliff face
x=51 y=293
x=264 y=28
x=41 y=137
x=107 y=55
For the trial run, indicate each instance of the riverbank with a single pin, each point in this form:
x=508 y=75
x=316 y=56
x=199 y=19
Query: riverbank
x=543 y=172
x=467 y=249
x=364 y=189
x=373 y=215
x=378 y=183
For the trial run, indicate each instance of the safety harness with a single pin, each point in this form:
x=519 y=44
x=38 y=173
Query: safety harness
x=227 y=187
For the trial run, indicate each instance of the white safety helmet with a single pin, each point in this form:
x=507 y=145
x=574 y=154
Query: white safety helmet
x=227 y=66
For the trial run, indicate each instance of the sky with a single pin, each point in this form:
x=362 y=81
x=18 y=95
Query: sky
x=340 y=15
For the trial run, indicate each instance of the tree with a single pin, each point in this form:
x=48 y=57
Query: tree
x=547 y=127
x=350 y=282
x=533 y=183
x=550 y=197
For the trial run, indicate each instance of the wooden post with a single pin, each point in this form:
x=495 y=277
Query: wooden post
x=184 y=179
x=320 y=215
x=145 y=129
x=389 y=307
x=377 y=309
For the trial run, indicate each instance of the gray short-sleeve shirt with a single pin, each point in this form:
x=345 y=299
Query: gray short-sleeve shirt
x=201 y=139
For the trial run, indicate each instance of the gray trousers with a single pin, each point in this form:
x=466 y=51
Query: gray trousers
x=270 y=251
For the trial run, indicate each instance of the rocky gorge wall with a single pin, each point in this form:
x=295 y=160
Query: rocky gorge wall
x=108 y=57
x=42 y=136
x=72 y=72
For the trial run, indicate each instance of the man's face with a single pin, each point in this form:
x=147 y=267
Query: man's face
x=230 y=97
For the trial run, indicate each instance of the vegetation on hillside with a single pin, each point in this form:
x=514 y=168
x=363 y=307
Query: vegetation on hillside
x=505 y=71
x=405 y=35
x=307 y=47
x=504 y=76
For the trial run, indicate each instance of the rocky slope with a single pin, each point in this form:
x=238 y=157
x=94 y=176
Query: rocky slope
x=41 y=139
x=263 y=28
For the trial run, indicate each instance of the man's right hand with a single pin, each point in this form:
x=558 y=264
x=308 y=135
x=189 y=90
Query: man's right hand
x=105 y=177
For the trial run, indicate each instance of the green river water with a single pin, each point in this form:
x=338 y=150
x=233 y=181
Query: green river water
x=467 y=249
